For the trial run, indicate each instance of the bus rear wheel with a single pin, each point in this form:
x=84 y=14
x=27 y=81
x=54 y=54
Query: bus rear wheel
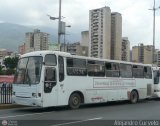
x=134 y=97
x=74 y=101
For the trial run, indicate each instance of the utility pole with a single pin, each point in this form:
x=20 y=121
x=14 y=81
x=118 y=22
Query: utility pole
x=59 y=24
x=154 y=11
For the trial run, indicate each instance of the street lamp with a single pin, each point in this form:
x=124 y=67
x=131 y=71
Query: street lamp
x=52 y=18
x=154 y=10
x=59 y=23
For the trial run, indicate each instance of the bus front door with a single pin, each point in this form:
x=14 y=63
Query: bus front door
x=50 y=88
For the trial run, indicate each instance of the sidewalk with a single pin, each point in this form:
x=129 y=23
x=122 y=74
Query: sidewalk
x=10 y=106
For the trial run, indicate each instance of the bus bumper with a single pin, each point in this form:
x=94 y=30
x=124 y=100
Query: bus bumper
x=27 y=101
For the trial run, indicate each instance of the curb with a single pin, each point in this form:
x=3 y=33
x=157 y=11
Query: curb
x=10 y=106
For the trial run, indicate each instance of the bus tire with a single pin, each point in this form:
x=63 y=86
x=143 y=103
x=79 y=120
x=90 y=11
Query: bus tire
x=74 y=101
x=134 y=97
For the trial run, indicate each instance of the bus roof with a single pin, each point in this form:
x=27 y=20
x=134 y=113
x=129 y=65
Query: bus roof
x=66 y=54
x=44 y=52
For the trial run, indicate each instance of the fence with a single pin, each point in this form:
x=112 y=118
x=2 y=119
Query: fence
x=5 y=95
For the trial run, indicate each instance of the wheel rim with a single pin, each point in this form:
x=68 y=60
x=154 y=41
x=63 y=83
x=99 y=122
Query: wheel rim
x=75 y=101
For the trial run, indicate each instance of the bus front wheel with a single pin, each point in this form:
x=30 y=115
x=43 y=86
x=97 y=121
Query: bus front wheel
x=134 y=97
x=74 y=101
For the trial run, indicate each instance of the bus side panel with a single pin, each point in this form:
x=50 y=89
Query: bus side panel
x=144 y=87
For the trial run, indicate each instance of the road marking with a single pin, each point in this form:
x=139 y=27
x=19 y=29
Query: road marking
x=23 y=115
x=77 y=122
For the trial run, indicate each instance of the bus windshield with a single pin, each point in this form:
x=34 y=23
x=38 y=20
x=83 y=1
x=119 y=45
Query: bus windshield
x=28 y=70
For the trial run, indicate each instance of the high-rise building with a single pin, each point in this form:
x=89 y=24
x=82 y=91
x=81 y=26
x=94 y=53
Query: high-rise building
x=116 y=36
x=158 y=58
x=142 y=54
x=21 y=49
x=85 y=38
x=75 y=49
x=100 y=32
x=36 y=41
x=125 y=56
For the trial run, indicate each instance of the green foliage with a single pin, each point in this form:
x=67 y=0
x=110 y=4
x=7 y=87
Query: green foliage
x=10 y=64
x=0 y=68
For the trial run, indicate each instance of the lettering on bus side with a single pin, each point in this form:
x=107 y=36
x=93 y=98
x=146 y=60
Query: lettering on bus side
x=113 y=83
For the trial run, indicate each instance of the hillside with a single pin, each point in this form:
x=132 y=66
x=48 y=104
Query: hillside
x=12 y=35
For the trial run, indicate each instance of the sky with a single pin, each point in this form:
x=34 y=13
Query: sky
x=137 y=19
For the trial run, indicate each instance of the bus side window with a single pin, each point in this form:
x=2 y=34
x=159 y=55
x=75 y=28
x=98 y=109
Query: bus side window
x=137 y=71
x=126 y=70
x=61 y=68
x=147 y=72
x=76 y=67
x=156 y=76
x=112 y=69
x=96 y=68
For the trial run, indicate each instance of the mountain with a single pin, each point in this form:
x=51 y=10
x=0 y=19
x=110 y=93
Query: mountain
x=13 y=35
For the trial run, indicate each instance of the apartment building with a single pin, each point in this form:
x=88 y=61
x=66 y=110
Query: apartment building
x=85 y=38
x=100 y=33
x=125 y=56
x=105 y=34
x=4 y=53
x=36 y=40
x=116 y=36
x=158 y=58
x=75 y=49
x=21 y=49
x=142 y=54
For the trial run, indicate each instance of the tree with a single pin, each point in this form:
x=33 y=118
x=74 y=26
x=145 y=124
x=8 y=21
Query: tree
x=0 y=68
x=11 y=63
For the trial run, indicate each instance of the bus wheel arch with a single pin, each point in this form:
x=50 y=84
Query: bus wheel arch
x=134 y=96
x=76 y=98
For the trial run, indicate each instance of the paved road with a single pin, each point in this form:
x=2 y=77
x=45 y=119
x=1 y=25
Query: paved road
x=88 y=115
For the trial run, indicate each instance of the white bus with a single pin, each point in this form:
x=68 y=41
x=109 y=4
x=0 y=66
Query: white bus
x=156 y=72
x=50 y=78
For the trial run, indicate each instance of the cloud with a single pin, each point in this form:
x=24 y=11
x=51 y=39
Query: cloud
x=137 y=19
